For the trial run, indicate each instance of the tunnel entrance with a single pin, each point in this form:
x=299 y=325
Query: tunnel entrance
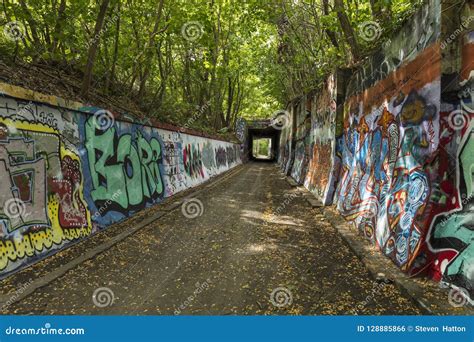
x=263 y=141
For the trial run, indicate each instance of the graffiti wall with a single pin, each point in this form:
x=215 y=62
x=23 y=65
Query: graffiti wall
x=391 y=136
x=401 y=156
x=323 y=166
x=451 y=237
x=286 y=151
x=68 y=173
x=241 y=132
x=406 y=179
x=302 y=139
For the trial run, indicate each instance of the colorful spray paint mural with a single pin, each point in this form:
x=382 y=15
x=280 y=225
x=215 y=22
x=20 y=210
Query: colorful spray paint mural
x=241 y=129
x=241 y=132
x=323 y=166
x=451 y=238
x=452 y=234
x=287 y=154
x=407 y=157
x=302 y=139
x=67 y=174
x=42 y=203
x=403 y=160
x=406 y=179
x=390 y=138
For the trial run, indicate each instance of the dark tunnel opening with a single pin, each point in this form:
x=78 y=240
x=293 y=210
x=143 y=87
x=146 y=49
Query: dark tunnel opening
x=268 y=137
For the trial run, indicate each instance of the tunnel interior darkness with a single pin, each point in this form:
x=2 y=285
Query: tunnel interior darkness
x=264 y=133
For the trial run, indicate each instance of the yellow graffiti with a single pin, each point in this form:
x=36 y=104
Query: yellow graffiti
x=40 y=240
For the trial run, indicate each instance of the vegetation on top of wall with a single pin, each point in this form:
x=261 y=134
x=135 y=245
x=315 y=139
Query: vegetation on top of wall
x=315 y=37
x=201 y=64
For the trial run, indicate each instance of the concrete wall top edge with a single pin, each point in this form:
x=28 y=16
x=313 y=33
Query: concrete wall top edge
x=18 y=92
x=420 y=31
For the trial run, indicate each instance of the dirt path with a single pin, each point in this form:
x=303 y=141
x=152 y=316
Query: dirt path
x=256 y=236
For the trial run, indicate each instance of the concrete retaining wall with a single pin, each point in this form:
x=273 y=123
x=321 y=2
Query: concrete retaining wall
x=68 y=171
x=398 y=145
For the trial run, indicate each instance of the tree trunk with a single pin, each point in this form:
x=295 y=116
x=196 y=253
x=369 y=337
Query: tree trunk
x=347 y=29
x=32 y=23
x=329 y=33
x=116 y=46
x=375 y=7
x=230 y=100
x=380 y=13
x=58 y=27
x=93 y=48
x=149 y=50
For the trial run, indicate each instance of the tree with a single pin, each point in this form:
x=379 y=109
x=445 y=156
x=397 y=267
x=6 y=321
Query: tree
x=246 y=58
x=94 y=44
x=347 y=29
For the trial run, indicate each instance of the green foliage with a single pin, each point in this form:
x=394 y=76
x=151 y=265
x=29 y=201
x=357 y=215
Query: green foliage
x=306 y=51
x=261 y=147
x=246 y=58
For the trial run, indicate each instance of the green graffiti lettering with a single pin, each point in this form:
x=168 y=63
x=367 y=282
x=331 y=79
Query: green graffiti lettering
x=128 y=157
x=155 y=162
x=126 y=172
x=107 y=179
x=145 y=153
x=456 y=227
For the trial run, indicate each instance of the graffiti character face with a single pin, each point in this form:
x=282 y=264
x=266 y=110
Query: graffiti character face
x=415 y=110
